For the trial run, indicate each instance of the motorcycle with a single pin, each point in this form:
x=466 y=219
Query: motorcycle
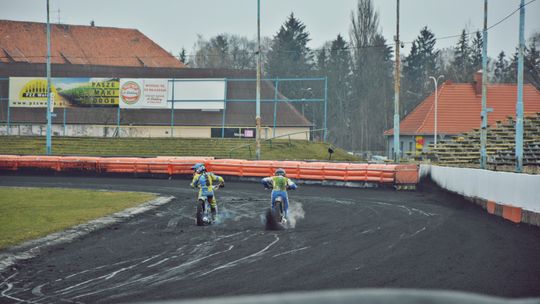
x=275 y=215
x=204 y=215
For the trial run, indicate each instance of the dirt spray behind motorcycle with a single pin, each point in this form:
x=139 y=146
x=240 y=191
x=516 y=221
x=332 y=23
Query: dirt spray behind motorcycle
x=271 y=218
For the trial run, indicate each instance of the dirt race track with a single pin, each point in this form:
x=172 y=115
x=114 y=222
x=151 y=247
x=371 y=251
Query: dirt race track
x=343 y=238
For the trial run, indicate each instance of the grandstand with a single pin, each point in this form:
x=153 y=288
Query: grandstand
x=464 y=149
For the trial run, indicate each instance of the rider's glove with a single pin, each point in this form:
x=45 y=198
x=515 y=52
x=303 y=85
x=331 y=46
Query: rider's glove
x=222 y=185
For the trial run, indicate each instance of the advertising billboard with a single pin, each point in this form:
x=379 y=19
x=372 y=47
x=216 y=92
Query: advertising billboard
x=143 y=93
x=199 y=94
x=66 y=92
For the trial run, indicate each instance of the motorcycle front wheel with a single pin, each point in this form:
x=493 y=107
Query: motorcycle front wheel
x=200 y=213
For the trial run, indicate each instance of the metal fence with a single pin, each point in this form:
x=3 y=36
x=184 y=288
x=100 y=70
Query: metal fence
x=304 y=93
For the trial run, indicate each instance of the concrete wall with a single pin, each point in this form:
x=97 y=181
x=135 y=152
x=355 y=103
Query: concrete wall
x=133 y=131
x=515 y=196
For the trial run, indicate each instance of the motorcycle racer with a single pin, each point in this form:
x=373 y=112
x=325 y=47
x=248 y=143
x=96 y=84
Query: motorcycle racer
x=279 y=184
x=204 y=181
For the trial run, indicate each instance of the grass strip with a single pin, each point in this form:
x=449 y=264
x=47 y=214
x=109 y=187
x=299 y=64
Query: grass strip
x=30 y=213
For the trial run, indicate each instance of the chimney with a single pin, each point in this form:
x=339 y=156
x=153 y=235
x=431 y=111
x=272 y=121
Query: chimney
x=478 y=82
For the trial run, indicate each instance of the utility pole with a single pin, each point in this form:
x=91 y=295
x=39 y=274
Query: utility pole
x=258 y=97
x=519 y=105
x=397 y=150
x=436 y=82
x=484 y=113
x=49 y=108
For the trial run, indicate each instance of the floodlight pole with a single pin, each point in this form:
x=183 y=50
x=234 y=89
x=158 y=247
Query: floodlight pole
x=435 y=80
x=258 y=97
x=48 y=141
x=519 y=104
x=397 y=150
x=484 y=113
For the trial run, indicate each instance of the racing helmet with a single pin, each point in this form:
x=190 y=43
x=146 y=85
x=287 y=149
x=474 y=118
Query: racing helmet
x=201 y=169
x=280 y=172
x=196 y=166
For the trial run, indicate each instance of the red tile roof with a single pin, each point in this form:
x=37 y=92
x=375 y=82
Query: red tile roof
x=459 y=108
x=79 y=44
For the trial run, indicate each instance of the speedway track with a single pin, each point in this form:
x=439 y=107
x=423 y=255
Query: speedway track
x=343 y=238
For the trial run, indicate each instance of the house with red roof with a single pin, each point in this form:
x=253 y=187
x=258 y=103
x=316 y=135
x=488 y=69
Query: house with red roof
x=458 y=111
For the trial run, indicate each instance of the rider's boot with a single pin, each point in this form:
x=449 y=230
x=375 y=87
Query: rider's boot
x=214 y=212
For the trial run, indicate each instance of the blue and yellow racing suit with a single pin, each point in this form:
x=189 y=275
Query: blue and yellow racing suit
x=279 y=185
x=204 y=182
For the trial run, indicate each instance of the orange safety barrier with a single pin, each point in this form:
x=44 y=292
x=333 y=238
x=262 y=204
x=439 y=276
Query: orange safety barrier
x=78 y=163
x=260 y=168
x=291 y=167
x=9 y=162
x=490 y=206
x=379 y=173
x=407 y=174
x=179 y=165
x=512 y=213
x=314 y=170
x=357 y=172
x=39 y=162
x=226 y=166
x=374 y=173
x=117 y=165
x=336 y=171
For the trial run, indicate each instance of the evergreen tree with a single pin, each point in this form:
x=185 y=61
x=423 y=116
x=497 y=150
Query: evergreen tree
x=531 y=64
x=512 y=69
x=501 y=68
x=476 y=53
x=289 y=56
x=421 y=63
x=182 y=56
x=338 y=71
x=459 y=68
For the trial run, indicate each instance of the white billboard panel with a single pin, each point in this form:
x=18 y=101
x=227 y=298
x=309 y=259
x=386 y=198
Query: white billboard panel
x=200 y=94
x=143 y=93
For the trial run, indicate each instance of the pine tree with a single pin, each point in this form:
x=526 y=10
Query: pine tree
x=289 y=55
x=182 y=56
x=419 y=65
x=501 y=68
x=459 y=69
x=338 y=72
x=476 y=53
x=512 y=68
x=531 y=64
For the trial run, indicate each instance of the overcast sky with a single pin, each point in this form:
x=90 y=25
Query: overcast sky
x=174 y=24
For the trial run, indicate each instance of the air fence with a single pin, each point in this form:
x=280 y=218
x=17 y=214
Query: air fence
x=212 y=95
x=343 y=174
